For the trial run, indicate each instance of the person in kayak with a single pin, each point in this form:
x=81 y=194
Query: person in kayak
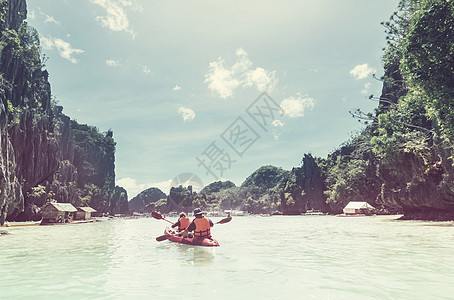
x=200 y=225
x=183 y=222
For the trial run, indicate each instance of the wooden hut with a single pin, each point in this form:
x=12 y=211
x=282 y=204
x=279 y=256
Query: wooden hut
x=84 y=213
x=57 y=212
x=357 y=207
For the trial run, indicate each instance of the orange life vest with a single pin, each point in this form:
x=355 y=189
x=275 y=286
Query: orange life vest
x=184 y=223
x=202 y=227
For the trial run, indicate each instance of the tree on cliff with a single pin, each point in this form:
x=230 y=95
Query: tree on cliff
x=404 y=156
x=43 y=156
x=261 y=191
x=94 y=158
x=147 y=201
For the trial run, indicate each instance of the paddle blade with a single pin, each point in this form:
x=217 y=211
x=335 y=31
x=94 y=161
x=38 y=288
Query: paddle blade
x=156 y=215
x=225 y=220
x=162 y=238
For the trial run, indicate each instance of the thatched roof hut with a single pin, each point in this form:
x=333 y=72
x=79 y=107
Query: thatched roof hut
x=357 y=207
x=84 y=213
x=57 y=212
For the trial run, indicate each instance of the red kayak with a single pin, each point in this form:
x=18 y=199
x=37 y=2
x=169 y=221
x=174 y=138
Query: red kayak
x=176 y=236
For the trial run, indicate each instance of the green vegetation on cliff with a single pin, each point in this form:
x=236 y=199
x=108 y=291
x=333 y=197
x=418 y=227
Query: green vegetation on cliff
x=402 y=161
x=43 y=155
x=94 y=158
x=148 y=200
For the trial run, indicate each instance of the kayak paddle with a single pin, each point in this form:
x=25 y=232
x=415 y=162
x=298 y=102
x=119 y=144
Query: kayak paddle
x=162 y=238
x=225 y=220
x=158 y=216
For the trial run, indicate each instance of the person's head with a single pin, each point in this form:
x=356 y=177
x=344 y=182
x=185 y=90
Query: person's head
x=197 y=212
x=182 y=215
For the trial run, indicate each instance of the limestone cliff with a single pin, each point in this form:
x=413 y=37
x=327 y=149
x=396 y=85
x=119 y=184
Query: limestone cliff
x=148 y=200
x=180 y=199
x=119 y=203
x=43 y=155
x=304 y=189
x=416 y=113
x=313 y=185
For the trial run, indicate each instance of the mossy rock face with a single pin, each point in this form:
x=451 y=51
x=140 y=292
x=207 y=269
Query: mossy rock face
x=147 y=200
x=41 y=148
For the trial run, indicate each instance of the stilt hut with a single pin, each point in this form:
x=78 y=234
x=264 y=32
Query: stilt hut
x=84 y=213
x=57 y=212
x=357 y=207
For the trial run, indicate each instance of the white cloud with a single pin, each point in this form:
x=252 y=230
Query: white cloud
x=112 y=62
x=177 y=88
x=64 y=48
x=366 y=88
x=362 y=71
x=134 y=5
x=224 y=80
x=50 y=19
x=146 y=69
x=116 y=18
x=134 y=188
x=277 y=123
x=294 y=107
x=277 y=129
x=187 y=113
x=221 y=80
x=261 y=78
x=31 y=15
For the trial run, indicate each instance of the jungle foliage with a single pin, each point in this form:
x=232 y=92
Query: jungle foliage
x=414 y=122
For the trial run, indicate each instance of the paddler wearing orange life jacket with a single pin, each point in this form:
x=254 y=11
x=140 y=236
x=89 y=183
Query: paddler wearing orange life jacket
x=200 y=225
x=183 y=222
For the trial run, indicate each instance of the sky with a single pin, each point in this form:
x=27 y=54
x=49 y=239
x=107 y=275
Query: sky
x=200 y=91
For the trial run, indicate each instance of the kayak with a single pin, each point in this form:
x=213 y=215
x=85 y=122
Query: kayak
x=175 y=236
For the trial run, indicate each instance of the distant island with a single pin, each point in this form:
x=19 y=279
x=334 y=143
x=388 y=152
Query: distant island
x=401 y=162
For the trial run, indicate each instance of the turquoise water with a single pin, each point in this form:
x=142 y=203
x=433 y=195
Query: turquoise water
x=301 y=257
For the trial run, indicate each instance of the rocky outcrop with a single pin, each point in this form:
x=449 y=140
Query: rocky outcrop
x=44 y=156
x=17 y=13
x=180 y=199
x=217 y=186
x=421 y=189
x=304 y=189
x=291 y=194
x=119 y=204
x=28 y=149
x=146 y=200
x=313 y=185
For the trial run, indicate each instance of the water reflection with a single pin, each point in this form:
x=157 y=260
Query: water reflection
x=196 y=255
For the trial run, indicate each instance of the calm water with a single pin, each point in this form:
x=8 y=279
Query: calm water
x=305 y=257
